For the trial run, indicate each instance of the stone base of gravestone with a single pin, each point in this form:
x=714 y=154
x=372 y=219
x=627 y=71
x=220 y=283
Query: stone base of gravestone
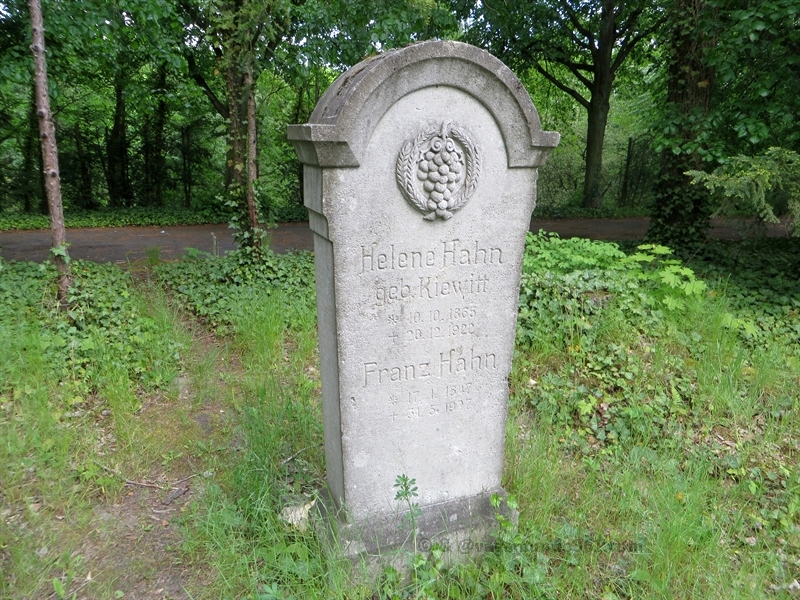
x=462 y=529
x=420 y=170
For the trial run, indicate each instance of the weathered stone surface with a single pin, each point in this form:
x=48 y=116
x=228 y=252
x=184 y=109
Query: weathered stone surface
x=420 y=177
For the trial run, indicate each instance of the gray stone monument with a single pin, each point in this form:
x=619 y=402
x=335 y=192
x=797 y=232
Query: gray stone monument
x=420 y=170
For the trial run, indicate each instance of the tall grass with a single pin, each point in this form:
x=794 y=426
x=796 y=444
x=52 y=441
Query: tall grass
x=238 y=523
x=60 y=375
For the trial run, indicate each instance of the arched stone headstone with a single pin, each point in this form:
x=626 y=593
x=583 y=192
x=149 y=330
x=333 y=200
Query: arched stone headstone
x=420 y=179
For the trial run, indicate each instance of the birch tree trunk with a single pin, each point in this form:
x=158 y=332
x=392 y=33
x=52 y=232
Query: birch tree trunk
x=47 y=133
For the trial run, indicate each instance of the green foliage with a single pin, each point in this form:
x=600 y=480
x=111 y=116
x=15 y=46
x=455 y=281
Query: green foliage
x=70 y=382
x=745 y=181
x=364 y=27
x=612 y=324
x=759 y=281
x=104 y=330
x=730 y=76
x=648 y=275
x=631 y=370
x=652 y=439
x=674 y=416
x=755 y=61
x=117 y=217
x=218 y=289
x=237 y=522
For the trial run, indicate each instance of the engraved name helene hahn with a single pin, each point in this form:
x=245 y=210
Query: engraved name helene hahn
x=438 y=170
x=453 y=252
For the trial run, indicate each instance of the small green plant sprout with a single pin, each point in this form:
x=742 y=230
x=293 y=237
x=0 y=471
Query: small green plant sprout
x=425 y=570
x=61 y=590
x=168 y=457
x=407 y=490
x=153 y=255
x=744 y=182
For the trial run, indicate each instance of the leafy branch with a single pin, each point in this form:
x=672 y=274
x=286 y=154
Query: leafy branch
x=748 y=179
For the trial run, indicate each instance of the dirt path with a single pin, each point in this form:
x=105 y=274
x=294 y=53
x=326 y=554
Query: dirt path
x=123 y=244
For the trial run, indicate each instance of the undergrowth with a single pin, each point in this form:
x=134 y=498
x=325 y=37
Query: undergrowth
x=141 y=216
x=221 y=290
x=669 y=409
x=652 y=441
x=118 y=217
x=69 y=380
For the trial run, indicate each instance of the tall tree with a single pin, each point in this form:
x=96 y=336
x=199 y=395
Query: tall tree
x=245 y=37
x=732 y=87
x=680 y=214
x=118 y=178
x=154 y=142
x=577 y=45
x=49 y=153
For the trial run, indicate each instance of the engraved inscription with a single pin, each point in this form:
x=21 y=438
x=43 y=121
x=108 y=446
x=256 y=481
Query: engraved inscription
x=436 y=332
x=430 y=288
x=433 y=324
x=438 y=400
x=438 y=170
x=453 y=362
x=436 y=315
x=449 y=253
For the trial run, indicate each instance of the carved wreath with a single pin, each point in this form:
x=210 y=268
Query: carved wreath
x=438 y=170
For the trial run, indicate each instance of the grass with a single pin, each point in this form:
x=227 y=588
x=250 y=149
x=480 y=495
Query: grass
x=652 y=441
x=72 y=386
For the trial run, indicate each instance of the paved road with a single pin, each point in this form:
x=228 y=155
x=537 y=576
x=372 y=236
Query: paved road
x=129 y=244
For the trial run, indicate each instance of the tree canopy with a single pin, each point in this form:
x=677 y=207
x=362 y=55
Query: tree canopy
x=185 y=102
x=577 y=46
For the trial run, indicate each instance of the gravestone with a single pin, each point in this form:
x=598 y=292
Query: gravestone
x=420 y=170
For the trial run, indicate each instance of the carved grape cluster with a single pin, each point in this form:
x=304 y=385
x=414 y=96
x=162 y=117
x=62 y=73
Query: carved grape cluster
x=441 y=168
x=438 y=170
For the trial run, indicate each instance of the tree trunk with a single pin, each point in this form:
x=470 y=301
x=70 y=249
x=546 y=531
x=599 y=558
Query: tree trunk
x=186 y=176
x=85 y=198
x=47 y=132
x=119 y=186
x=596 y=133
x=252 y=156
x=236 y=136
x=599 y=105
x=153 y=144
x=680 y=215
x=41 y=182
